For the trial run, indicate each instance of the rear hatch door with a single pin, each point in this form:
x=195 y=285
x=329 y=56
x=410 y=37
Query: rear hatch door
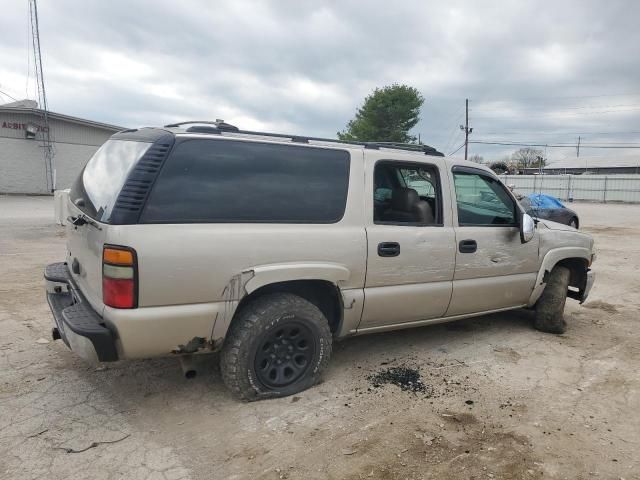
x=91 y=202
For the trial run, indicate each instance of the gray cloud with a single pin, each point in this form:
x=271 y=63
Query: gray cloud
x=534 y=71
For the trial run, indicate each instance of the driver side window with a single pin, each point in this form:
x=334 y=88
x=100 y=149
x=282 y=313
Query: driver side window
x=483 y=200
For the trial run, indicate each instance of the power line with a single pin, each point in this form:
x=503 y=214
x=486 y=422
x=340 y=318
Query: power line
x=569 y=143
x=532 y=108
x=457 y=149
x=565 y=145
x=558 y=114
x=26 y=85
x=533 y=132
x=7 y=95
x=451 y=137
x=571 y=96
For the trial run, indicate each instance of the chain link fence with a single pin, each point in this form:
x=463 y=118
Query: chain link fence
x=595 y=188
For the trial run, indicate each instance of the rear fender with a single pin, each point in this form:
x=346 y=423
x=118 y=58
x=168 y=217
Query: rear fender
x=284 y=272
x=250 y=280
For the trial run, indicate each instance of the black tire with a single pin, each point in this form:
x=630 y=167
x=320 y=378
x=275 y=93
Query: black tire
x=253 y=349
x=550 y=306
x=573 y=223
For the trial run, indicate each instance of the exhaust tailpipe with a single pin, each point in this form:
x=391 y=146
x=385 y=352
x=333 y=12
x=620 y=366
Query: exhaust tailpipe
x=188 y=368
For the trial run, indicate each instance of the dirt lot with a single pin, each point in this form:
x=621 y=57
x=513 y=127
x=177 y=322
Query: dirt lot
x=501 y=400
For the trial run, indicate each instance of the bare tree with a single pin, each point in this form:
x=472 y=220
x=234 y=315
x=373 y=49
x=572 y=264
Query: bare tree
x=528 y=157
x=476 y=158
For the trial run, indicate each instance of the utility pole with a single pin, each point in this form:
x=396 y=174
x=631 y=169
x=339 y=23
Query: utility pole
x=466 y=129
x=578 y=148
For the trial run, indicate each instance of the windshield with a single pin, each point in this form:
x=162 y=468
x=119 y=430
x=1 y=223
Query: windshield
x=97 y=188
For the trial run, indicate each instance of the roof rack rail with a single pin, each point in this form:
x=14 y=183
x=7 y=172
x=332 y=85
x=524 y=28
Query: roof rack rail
x=416 y=147
x=221 y=126
x=412 y=147
x=203 y=129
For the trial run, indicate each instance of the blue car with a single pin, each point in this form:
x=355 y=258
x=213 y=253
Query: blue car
x=540 y=205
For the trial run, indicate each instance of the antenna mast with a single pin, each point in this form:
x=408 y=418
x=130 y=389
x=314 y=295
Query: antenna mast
x=47 y=145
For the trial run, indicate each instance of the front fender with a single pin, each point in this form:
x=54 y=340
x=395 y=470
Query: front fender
x=549 y=261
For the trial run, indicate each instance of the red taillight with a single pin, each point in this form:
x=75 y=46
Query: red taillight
x=118 y=293
x=119 y=277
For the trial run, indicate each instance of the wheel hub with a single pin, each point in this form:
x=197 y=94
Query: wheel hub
x=284 y=354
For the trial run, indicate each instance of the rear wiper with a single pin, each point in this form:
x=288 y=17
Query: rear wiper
x=82 y=219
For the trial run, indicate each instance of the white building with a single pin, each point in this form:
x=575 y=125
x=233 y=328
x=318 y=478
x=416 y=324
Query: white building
x=616 y=163
x=22 y=158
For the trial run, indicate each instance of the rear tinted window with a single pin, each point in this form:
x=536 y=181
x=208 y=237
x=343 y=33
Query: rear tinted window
x=230 y=181
x=97 y=188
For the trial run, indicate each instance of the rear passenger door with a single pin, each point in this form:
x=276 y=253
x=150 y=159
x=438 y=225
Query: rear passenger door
x=410 y=241
x=494 y=269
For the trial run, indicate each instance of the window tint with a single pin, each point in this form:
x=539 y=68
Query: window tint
x=420 y=180
x=406 y=193
x=231 y=181
x=483 y=200
x=97 y=188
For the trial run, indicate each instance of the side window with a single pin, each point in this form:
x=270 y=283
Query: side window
x=483 y=200
x=406 y=193
x=229 y=181
x=420 y=180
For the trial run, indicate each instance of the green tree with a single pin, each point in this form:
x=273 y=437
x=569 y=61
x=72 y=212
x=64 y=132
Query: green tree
x=387 y=115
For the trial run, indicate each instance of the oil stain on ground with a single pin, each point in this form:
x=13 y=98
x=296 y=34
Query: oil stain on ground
x=407 y=378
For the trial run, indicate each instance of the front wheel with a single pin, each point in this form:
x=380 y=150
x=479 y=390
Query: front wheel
x=550 y=306
x=278 y=345
x=574 y=223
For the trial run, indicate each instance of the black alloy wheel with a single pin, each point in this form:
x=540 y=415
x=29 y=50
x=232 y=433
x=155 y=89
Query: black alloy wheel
x=278 y=344
x=284 y=354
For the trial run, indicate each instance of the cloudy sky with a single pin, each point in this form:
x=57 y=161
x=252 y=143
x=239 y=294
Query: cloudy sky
x=537 y=72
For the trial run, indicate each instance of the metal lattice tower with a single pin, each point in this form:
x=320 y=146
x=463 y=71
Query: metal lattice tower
x=47 y=144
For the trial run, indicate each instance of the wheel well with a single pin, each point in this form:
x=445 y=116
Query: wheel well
x=578 y=268
x=324 y=295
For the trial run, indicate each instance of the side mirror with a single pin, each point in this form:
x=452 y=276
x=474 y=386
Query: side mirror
x=527 y=228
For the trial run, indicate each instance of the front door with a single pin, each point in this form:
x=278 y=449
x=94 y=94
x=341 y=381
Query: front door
x=411 y=244
x=494 y=269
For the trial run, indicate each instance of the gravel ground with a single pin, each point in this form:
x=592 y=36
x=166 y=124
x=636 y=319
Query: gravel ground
x=500 y=400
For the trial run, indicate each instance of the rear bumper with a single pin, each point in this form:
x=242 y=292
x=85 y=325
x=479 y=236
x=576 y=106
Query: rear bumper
x=78 y=325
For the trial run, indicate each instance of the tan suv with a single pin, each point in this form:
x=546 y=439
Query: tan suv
x=199 y=237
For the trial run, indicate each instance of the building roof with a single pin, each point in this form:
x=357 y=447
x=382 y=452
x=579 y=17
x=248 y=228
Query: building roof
x=25 y=103
x=608 y=161
x=31 y=107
